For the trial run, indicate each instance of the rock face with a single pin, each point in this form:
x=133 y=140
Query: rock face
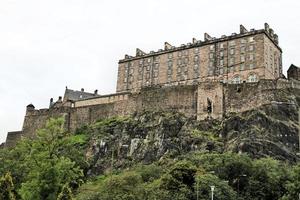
x=151 y=136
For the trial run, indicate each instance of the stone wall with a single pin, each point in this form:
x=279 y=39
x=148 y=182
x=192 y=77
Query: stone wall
x=192 y=100
x=12 y=138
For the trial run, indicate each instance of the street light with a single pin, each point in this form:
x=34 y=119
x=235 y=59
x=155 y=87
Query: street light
x=212 y=192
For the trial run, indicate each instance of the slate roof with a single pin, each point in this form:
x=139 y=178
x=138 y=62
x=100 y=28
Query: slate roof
x=74 y=95
x=293 y=67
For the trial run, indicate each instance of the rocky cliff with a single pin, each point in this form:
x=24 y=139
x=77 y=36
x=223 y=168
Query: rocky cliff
x=119 y=142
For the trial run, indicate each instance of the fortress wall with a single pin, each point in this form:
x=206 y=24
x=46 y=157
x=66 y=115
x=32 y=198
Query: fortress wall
x=12 y=138
x=102 y=100
x=37 y=119
x=192 y=100
x=210 y=100
x=181 y=98
x=247 y=96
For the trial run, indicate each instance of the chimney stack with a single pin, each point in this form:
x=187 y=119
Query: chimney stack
x=276 y=39
x=194 y=40
x=96 y=92
x=167 y=46
x=82 y=89
x=243 y=29
x=51 y=103
x=207 y=37
x=267 y=27
x=139 y=52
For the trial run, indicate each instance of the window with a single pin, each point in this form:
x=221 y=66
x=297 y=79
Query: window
x=148 y=75
x=221 y=54
x=242 y=66
x=170 y=55
x=170 y=64
x=186 y=60
x=179 y=53
x=250 y=39
x=148 y=67
x=156 y=59
x=232 y=50
x=212 y=47
x=211 y=64
x=196 y=67
x=242 y=58
x=179 y=61
x=252 y=78
x=196 y=58
x=196 y=50
x=222 y=45
x=243 y=41
x=231 y=43
x=243 y=49
x=221 y=70
x=169 y=72
x=156 y=66
x=179 y=70
x=236 y=80
x=149 y=60
x=211 y=55
x=251 y=47
x=222 y=63
x=251 y=66
x=251 y=57
x=155 y=75
x=231 y=61
x=141 y=62
x=186 y=52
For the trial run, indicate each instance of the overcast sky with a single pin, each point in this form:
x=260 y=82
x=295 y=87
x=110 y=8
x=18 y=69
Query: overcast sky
x=46 y=45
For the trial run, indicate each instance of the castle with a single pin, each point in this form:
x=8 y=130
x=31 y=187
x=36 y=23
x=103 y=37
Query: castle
x=203 y=79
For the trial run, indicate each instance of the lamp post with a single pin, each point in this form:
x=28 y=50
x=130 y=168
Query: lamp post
x=212 y=192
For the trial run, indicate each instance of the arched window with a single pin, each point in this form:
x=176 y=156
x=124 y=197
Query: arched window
x=252 y=78
x=236 y=80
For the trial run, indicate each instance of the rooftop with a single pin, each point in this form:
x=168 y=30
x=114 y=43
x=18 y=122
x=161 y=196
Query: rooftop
x=207 y=40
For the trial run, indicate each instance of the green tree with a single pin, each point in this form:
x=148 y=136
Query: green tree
x=179 y=181
x=7 y=187
x=293 y=185
x=49 y=168
x=267 y=180
x=222 y=190
x=65 y=194
x=126 y=186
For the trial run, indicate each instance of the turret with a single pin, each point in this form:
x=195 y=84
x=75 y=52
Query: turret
x=30 y=108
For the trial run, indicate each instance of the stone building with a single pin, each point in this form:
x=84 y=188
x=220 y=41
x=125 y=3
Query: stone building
x=203 y=79
x=244 y=57
x=293 y=72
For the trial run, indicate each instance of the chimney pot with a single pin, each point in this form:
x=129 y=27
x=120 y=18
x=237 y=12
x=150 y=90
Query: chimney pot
x=82 y=89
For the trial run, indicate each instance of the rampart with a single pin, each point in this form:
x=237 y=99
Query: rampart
x=204 y=100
